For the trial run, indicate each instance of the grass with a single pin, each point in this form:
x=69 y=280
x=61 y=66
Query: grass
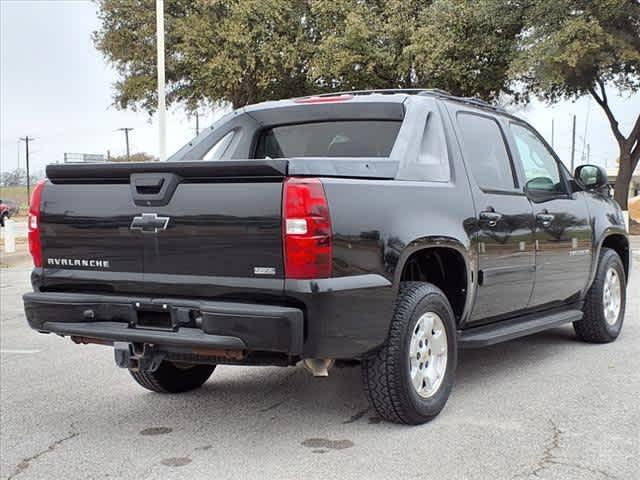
x=17 y=194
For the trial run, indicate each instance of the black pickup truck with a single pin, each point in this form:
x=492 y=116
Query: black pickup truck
x=386 y=228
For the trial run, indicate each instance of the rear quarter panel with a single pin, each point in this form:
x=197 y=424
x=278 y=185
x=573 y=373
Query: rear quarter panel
x=377 y=225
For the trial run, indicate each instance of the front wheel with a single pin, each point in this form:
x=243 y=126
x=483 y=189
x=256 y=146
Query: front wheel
x=605 y=302
x=409 y=379
x=172 y=378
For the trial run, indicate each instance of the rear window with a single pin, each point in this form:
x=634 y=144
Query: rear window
x=357 y=138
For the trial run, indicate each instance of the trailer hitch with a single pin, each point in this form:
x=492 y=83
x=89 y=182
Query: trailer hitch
x=138 y=357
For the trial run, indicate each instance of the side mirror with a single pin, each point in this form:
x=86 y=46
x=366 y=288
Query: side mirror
x=591 y=177
x=541 y=189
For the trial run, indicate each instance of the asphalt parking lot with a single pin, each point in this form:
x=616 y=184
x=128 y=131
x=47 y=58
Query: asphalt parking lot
x=546 y=406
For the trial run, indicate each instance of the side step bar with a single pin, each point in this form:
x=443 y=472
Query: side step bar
x=486 y=335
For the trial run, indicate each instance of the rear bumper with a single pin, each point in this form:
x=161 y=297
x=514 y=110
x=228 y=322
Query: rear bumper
x=191 y=323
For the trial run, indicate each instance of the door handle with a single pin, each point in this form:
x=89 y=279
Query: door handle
x=545 y=219
x=490 y=217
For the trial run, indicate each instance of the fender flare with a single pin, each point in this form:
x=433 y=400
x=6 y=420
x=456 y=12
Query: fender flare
x=437 y=241
x=607 y=232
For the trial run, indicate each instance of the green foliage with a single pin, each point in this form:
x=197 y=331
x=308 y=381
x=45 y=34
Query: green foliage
x=568 y=46
x=236 y=51
x=246 y=51
x=362 y=45
x=466 y=47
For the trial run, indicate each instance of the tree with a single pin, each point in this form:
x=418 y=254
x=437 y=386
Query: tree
x=571 y=48
x=235 y=51
x=246 y=51
x=456 y=45
x=466 y=48
x=135 y=157
x=18 y=177
x=362 y=45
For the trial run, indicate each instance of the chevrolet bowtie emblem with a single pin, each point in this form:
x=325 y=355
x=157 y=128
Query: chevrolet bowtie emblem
x=149 y=223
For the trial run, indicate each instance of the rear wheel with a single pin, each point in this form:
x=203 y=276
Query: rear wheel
x=172 y=378
x=410 y=378
x=605 y=303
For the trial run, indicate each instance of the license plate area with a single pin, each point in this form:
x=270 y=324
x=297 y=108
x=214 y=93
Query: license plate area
x=154 y=317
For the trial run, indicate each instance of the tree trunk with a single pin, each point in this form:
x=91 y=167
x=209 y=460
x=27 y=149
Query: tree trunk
x=629 y=147
x=623 y=180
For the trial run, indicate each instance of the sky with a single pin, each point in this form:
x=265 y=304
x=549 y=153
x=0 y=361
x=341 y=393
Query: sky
x=56 y=87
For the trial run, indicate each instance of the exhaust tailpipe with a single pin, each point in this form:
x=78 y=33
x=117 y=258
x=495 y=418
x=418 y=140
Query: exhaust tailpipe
x=319 y=367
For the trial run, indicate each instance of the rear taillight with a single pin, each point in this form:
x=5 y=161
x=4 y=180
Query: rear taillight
x=35 y=247
x=306 y=228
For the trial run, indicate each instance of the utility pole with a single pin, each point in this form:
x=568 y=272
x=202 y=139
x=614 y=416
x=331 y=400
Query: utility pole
x=553 y=133
x=126 y=131
x=162 y=109
x=197 y=123
x=26 y=139
x=573 y=144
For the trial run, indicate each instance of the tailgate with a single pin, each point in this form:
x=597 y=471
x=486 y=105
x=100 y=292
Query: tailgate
x=202 y=229
x=86 y=238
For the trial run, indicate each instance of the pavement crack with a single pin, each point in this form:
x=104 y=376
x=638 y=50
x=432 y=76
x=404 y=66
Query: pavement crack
x=25 y=463
x=582 y=468
x=549 y=458
x=274 y=406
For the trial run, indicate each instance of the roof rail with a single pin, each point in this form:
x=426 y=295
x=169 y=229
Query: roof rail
x=478 y=102
x=388 y=91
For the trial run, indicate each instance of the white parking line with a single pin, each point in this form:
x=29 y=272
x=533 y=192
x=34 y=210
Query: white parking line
x=7 y=350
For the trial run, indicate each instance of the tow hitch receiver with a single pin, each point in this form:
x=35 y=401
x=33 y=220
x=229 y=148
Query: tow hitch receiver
x=137 y=357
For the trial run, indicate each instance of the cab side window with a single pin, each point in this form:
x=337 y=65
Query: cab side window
x=485 y=152
x=540 y=167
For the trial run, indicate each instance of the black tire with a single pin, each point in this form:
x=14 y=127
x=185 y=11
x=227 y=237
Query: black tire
x=169 y=378
x=594 y=327
x=385 y=372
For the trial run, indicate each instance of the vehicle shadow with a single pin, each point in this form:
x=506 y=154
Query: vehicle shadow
x=236 y=395
x=500 y=359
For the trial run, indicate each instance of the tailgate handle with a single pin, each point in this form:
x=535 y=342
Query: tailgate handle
x=148 y=186
x=153 y=189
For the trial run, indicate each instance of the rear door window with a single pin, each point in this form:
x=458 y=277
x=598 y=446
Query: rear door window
x=353 y=138
x=485 y=152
